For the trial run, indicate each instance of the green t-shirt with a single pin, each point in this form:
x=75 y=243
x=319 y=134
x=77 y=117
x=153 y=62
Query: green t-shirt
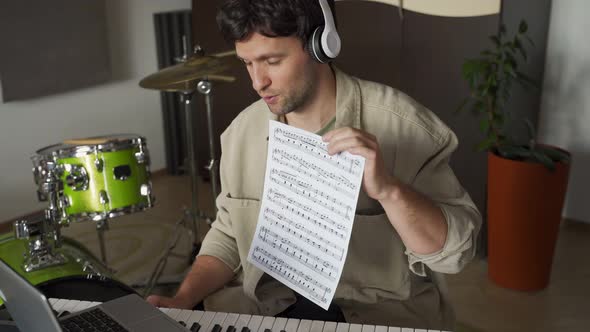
x=329 y=126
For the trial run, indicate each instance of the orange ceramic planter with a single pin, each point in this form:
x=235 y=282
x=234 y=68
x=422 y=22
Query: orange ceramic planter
x=525 y=202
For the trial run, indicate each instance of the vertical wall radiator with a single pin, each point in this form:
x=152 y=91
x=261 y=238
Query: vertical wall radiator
x=171 y=27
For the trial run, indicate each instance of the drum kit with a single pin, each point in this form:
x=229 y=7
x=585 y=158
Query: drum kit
x=99 y=178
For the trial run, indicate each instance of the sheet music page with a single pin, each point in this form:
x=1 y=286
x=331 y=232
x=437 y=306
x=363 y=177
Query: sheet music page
x=307 y=212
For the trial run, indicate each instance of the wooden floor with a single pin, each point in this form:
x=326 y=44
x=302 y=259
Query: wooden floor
x=479 y=304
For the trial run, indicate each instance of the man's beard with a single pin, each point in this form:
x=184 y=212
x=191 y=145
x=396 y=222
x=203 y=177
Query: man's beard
x=297 y=100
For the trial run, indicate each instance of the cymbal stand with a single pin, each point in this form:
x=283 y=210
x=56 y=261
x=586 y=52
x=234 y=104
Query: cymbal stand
x=205 y=87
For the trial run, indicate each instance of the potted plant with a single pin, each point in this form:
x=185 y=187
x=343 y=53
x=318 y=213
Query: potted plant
x=527 y=181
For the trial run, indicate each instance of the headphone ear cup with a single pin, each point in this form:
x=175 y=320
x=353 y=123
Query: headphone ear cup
x=314 y=46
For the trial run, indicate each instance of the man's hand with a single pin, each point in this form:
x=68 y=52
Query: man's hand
x=377 y=182
x=169 y=302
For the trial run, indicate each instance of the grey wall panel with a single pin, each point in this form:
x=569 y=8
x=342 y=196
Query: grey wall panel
x=52 y=46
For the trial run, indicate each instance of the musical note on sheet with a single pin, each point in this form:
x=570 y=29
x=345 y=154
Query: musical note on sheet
x=307 y=212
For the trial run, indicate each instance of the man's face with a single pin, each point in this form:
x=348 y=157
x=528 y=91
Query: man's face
x=282 y=72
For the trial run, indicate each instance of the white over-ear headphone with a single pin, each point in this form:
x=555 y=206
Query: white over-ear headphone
x=324 y=43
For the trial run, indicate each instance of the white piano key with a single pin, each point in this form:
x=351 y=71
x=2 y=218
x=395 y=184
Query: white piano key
x=230 y=320
x=52 y=301
x=59 y=304
x=217 y=320
x=267 y=323
x=342 y=327
x=420 y=330
x=330 y=327
x=279 y=324
x=317 y=326
x=242 y=321
x=394 y=329
x=304 y=325
x=407 y=329
x=82 y=305
x=357 y=328
x=206 y=320
x=94 y=304
x=254 y=323
x=292 y=325
x=381 y=328
x=184 y=316
x=173 y=313
x=69 y=306
x=194 y=318
x=165 y=310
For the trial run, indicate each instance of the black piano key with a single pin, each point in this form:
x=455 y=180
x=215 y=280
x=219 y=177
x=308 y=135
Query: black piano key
x=245 y=329
x=231 y=328
x=181 y=322
x=216 y=328
x=195 y=327
x=267 y=330
x=64 y=313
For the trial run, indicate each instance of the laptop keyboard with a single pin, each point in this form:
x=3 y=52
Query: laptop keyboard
x=90 y=321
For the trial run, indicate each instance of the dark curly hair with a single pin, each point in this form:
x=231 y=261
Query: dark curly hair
x=237 y=19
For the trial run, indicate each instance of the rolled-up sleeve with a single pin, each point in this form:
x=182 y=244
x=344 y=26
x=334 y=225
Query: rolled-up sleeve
x=437 y=180
x=220 y=241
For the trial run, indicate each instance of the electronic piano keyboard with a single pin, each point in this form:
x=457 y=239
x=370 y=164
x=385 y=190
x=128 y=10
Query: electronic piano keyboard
x=209 y=321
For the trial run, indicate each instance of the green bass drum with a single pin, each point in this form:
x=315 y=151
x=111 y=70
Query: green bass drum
x=82 y=277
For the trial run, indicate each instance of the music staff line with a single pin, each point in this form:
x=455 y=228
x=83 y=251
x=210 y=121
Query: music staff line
x=295 y=251
x=348 y=164
x=320 y=175
x=283 y=221
x=275 y=264
x=299 y=236
x=313 y=142
x=295 y=186
x=275 y=197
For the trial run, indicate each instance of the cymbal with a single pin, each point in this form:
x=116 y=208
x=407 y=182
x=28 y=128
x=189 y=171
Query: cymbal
x=186 y=75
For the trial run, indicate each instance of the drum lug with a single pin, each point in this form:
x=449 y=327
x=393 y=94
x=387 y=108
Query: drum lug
x=78 y=177
x=21 y=229
x=99 y=164
x=141 y=157
x=103 y=197
x=146 y=190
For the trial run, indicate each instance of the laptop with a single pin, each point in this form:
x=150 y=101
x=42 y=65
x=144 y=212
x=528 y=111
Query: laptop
x=31 y=311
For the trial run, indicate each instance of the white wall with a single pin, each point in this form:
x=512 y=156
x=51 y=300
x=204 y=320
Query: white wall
x=565 y=110
x=120 y=106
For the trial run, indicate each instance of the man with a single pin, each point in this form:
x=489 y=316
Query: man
x=413 y=219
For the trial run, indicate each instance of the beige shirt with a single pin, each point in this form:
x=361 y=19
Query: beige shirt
x=383 y=282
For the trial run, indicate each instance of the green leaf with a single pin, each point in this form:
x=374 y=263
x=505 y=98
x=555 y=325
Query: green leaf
x=485 y=145
x=543 y=159
x=484 y=125
x=523 y=27
x=554 y=154
x=496 y=40
x=510 y=70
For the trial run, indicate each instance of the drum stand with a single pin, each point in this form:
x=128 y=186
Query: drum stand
x=43 y=235
x=101 y=226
